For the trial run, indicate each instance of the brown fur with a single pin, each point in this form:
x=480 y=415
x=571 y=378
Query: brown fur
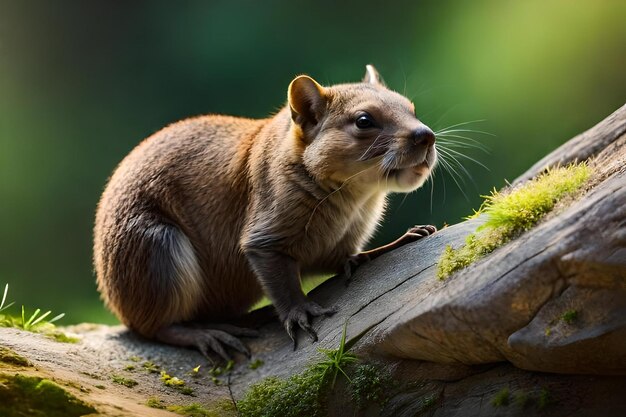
x=203 y=216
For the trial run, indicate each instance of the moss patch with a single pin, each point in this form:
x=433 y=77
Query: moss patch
x=127 y=382
x=151 y=367
x=570 y=316
x=513 y=212
x=369 y=385
x=61 y=337
x=501 y=398
x=174 y=382
x=9 y=357
x=193 y=410
x=299 y=395
x=37 y=397
x=155 y=402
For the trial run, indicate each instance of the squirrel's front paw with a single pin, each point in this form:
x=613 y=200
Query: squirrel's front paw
x=300 y=316
x=352 y=263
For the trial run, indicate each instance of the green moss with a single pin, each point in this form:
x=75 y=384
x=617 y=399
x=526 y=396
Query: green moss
x=501 y=398
x=22 y=395
x=174 y=382
x=151 y=367
x=134 y=359
x=129 y=368
x=369 y=385
x=429 y=401
x=61 y=337
x=570 y=316
x=255 y=364
x=9 y=357
x=545 y=399
x=511 y=213
x=155 y=402
x=299 y=395
x=127 y=382
x=193 y=410
x=522 y=399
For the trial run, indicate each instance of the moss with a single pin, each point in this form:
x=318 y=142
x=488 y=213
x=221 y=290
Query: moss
x=368 y=385
x=155 y=402
x=151 y=367
x=255 y=364
x=129 y=368
x=545 y=399
x=61 y=337
x=299 y=395
x=570 y=316
x=174 y=382
x=501 y=398
x=22 y=395
x=522 y=399
x=135 y=359
x=127 y=382
x=9 y=357
x=193 y=410
x=511 y=213
x=429 y=401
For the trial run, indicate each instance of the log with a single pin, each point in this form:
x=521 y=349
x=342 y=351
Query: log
x=497 y=323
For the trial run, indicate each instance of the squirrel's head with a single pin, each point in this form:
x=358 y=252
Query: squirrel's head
x=361 y=133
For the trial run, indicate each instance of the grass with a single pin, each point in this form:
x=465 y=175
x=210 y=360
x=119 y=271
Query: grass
x=35 y=322
x=511 y=213
x=336 y=360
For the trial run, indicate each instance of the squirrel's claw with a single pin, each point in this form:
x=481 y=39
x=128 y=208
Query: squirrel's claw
x=300 y=317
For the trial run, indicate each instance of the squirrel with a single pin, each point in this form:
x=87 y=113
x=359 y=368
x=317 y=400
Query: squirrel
x=205 y=216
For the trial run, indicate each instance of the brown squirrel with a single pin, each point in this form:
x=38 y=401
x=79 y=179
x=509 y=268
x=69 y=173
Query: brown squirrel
x=209 y=213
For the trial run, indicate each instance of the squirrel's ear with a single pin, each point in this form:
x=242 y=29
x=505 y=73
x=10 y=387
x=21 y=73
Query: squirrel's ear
x=307 y=100
x=372 y=76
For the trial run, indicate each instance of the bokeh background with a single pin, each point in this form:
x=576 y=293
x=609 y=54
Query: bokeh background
x=82 y=82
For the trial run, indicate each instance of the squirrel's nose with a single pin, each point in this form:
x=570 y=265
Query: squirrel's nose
x=423 y=136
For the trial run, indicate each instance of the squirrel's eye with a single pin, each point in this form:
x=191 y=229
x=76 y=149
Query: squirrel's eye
x=364 y=121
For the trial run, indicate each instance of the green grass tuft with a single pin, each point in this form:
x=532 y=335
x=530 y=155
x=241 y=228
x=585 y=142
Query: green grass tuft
x=511 y=213
x=35 y=322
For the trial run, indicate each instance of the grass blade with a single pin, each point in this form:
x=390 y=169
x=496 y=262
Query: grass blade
x=43 y=316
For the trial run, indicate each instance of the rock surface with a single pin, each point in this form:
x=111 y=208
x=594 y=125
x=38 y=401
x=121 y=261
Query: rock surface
x=543 y=317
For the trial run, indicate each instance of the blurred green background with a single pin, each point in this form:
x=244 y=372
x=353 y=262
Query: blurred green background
x=82 y=82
